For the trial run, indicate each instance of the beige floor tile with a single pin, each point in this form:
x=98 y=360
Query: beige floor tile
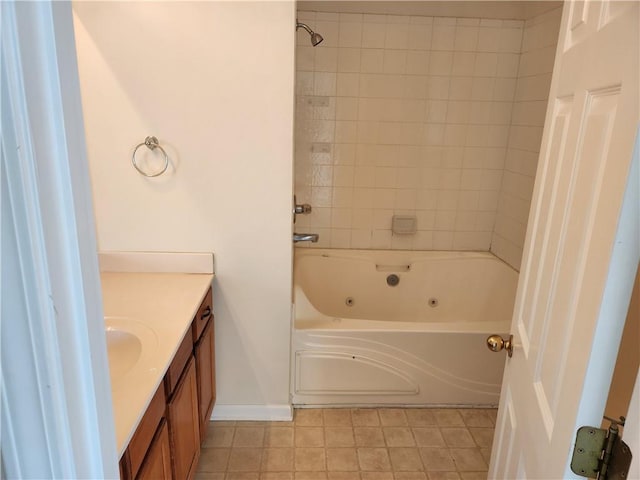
x=409 y=476
x=310 y=460
x=344 y=475
x=342 y=460
x=398 y=437
x=486 y=454
x=213 y=459
x=474 y=417
x=420 y=417
x=218 y=436
x=310 y=476
x=448 y=417
x=365 y=417
x=405 y=460
x=277 y=460
x=248 y=437
x=309 y=437
x=437 y=459
x=245 y=460
x=482 y=436
x=276 y=476
x=443 y=476
x=242 y=476
x=374 y=459
x=393 y=417
x=474 y=475
x=457 y=437
x=224 y=423
x=368 y=436
x=428 y=437
x=493 y=415
x=278 y=437
x=339 y=436
x=337 y=417
x=468 y=460
x=308 y=417
x=376 y=475
x=209 y=476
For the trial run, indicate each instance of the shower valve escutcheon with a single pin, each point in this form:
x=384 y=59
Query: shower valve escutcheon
x=495 y=343
x=304 y=209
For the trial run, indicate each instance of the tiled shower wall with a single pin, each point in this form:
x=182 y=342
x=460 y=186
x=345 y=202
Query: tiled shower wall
x=532 y=90
x=404 y=115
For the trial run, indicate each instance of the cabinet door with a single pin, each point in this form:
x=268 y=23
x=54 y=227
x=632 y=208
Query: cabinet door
x=205 y=368
x=184 y=430
x=157 y=464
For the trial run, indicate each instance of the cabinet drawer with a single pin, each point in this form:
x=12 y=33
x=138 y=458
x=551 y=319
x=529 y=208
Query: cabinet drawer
x=146 y=430
x=177 y=365
x=205 y=312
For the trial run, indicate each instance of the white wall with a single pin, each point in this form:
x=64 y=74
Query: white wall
x=214 y=82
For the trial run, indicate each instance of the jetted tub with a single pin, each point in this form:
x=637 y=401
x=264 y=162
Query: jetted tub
x=399 y=327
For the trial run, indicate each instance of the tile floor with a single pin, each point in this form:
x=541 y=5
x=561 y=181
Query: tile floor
x=352 y=444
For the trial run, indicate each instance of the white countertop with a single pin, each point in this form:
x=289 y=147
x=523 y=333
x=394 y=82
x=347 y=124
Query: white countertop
x=160 y=308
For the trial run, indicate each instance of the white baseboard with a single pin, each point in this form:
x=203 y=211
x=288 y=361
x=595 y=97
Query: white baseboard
x=272 y=413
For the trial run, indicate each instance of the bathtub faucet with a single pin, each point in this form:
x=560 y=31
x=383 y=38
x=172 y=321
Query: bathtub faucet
x=305 y=237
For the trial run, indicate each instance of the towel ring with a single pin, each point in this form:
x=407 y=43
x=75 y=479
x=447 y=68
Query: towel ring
x=152 y=143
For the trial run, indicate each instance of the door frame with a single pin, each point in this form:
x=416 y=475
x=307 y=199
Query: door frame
x=55 y=384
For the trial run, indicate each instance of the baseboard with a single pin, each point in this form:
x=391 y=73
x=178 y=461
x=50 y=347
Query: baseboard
x=272 y=413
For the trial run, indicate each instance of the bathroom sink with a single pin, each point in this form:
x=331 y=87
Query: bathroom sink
x=124 y=349
x=129 y=344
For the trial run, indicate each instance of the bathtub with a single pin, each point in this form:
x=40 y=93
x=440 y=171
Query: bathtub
x=398 y=327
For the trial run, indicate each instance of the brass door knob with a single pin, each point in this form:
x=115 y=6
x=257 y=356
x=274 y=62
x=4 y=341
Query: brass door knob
x=495 y=343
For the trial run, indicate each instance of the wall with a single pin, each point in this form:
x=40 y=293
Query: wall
x=403 y=115
x=529 y=109
x=214 y=82
x=628 y=360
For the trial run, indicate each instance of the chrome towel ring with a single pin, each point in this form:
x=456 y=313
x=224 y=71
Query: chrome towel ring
x=152 y=143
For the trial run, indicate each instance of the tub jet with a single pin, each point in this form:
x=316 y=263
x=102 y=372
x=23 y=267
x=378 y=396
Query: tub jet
x=393 y=280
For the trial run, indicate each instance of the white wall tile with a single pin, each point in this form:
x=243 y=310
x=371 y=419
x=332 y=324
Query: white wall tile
x=439 y=118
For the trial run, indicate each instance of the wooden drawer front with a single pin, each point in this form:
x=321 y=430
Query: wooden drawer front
x=205 y=312
x=146 y=430
x=157 y=465
x=177 y=365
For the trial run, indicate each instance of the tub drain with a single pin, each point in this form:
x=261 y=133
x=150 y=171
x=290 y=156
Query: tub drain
x=349 y=302
x=393 y=280
x=433 y=302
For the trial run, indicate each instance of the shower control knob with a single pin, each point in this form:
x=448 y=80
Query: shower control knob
x=495 y=343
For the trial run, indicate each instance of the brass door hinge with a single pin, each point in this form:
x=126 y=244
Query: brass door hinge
x=600 y=453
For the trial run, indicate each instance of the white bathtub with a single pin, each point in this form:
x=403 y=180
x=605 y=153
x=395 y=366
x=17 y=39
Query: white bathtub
x=359 y=341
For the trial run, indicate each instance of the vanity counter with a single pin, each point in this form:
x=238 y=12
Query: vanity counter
x=158 y=309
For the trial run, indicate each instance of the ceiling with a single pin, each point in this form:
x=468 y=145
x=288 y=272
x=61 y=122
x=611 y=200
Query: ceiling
x=515 y=10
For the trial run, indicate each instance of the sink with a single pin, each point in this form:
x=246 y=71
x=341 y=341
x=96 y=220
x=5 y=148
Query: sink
x=129 y=344
x=124 y=349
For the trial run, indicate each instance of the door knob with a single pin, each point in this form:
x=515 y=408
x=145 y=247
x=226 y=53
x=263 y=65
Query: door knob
x=495 y=343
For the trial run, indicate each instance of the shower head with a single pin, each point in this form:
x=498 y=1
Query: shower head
x=316 y=38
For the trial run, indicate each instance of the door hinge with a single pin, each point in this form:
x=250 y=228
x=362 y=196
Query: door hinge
x=601 y=453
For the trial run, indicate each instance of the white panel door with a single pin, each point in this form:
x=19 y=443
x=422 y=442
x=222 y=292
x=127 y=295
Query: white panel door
x=574 y=283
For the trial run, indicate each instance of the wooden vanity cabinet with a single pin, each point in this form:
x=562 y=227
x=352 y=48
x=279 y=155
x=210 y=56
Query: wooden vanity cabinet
x=147 y=442
x=184 y=424
x=204 y=352
x=166 y=444
x=157 y=465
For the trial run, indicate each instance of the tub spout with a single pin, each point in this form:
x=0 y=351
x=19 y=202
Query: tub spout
x=305 y=237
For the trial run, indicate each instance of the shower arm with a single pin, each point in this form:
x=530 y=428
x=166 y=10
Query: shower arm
x=305 y=26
